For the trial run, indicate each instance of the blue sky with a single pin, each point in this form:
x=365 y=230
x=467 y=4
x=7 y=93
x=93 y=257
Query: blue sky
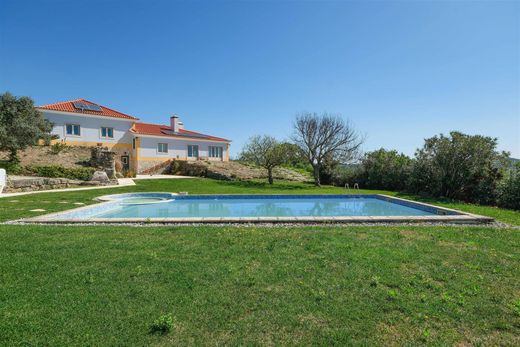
x=400 y=71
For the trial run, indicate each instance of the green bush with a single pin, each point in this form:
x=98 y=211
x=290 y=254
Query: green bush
x=458 y=166
x=83 y=173
x=350 y=174
x=12 y=168
x=162 y=325
x=384 y=169
x=508 y=190
x=58 y=147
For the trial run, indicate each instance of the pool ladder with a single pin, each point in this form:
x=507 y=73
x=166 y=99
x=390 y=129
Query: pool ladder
x=347 y=186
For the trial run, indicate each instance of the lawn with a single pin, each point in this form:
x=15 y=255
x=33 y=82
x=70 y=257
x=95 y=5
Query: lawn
x=326 y=285
x=322 y=286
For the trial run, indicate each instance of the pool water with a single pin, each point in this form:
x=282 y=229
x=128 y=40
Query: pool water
x=251 y=206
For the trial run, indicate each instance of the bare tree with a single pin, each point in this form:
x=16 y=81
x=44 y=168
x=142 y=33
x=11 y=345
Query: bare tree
x=326 y=136
x=264 y=151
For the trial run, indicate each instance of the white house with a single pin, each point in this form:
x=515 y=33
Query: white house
x=140 y=146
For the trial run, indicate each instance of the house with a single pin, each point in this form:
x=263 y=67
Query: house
x=140 y=147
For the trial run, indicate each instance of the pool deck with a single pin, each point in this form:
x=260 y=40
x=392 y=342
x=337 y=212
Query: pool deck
x=445 y=215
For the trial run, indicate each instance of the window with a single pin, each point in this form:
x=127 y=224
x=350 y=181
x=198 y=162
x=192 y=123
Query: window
x=133 y=143
x=162 y=148
x=107 y=133
x=193 y=151
x=73 y=129
x=215 y=152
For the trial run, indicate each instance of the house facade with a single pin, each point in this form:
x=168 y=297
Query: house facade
x=140 y=147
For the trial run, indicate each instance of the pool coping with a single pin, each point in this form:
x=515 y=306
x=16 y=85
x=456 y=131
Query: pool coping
x=449 y=216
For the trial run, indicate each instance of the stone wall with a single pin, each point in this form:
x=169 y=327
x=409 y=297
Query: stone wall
x=102 y=159
x=28 y=184
x=154 y=166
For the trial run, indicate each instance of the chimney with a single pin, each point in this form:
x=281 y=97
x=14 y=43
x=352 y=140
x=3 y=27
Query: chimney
x=174 y=123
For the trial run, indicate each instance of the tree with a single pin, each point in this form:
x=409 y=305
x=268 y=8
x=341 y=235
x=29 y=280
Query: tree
x=264 y=151
x=21 y=125
x=382 y=169
x=508 y=191
x=326 y=137
x=459 y=166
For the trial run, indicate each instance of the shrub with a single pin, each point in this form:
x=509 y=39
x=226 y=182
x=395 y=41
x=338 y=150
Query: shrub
x=58 y=147
x=118 y=165
x=458 y=166
x=162 y=325
x=384 y=169
x=508 y=191
x=350 y=174
x=12 y=168
x=83 y=173
x=128 y=173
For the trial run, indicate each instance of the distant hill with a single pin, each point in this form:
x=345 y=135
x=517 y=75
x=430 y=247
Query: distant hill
x=514 y=162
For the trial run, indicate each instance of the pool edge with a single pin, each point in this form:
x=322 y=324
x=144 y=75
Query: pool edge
x=454 y=216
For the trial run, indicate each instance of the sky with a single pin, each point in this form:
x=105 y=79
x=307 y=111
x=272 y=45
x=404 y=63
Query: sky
x=399 y=71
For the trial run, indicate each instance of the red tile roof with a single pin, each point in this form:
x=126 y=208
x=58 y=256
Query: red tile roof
x=67 y=106
x=165 y=130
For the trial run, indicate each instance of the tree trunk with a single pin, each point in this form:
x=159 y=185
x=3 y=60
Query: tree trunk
x=13 y=156
x=270 y=175
x=316 y=175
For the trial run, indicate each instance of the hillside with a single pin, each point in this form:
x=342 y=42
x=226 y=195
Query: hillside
x=232 y=170
x=70 y=157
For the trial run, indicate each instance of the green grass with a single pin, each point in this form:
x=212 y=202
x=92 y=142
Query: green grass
x=54 y=202
x=211 y=285
x=324 y=286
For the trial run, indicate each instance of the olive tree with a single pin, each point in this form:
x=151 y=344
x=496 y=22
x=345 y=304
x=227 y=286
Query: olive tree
x=21 y=125
x=264 y=151
x=459 y=166
x=382 y=169
x=326 y=137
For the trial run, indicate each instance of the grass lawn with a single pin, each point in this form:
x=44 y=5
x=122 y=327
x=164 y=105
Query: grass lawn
x=326 y=285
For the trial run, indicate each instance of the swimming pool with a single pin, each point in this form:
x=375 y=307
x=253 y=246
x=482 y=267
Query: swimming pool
x=167 y=207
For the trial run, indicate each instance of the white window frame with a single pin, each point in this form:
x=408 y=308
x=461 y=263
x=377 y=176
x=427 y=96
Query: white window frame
x=162 y=143
x=106 y=137
x=73 y=125
x=217 y=149
x=188 y=151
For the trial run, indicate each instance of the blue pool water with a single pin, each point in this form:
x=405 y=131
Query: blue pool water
x=251 y=206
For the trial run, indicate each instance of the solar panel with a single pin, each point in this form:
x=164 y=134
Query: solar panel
x=79 y=105
x=84 y=106
x=94 y=108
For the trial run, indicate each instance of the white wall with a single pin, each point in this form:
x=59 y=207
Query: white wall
x=177 y=147
x=90 y=127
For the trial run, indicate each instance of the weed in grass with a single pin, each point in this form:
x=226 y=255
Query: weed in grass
x=392 y=295
x=374 y=281
x=162 y=325
x=89 y=278
x=516 y=307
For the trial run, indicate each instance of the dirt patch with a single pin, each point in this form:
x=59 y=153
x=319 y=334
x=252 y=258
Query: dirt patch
x=410 y=234
x=70 y=157
x=232 y=170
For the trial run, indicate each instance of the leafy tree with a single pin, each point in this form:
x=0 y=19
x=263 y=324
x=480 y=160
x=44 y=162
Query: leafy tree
x=264 y=151
x=458 y=166
x=21 y=125
x=325 y=137
x=294 y=155
x=382 y=169
x=508 y=190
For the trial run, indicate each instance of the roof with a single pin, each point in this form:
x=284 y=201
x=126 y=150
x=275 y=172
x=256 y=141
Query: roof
x=68 y=106
x=166 y=130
